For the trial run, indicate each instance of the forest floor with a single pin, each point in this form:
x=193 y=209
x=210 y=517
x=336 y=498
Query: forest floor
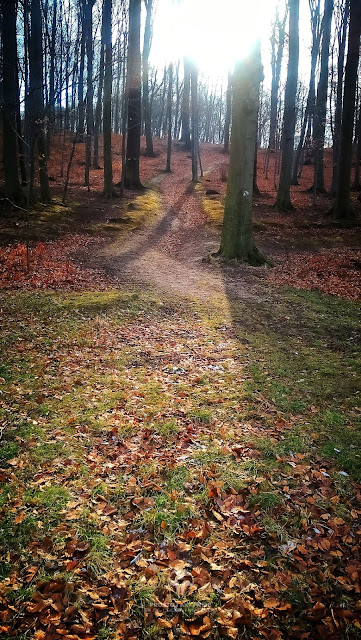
x=180 y=438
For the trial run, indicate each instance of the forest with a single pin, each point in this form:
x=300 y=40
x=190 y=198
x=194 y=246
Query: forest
x=180 y=369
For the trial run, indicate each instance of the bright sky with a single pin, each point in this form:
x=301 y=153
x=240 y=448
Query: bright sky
x=215 y=33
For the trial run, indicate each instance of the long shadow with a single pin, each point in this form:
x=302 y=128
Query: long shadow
x=152 y=237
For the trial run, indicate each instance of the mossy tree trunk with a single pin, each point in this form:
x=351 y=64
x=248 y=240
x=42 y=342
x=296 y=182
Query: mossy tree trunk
x=237 y=233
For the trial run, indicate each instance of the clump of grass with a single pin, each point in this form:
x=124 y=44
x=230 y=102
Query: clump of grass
x=167 y=428
x=142 y=595
x=47 y=452
x=8 y=451
x=100 y=554
x=203 y=416
x=266 y=499
x=168 y=516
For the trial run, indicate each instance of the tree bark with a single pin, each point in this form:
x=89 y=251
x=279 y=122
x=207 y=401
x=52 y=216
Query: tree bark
x=98 y=107
x=147 y=115
x=185 y=110
x=321 y=102
x=88 y=28
x=342 y=209
x=338 y=110
x=227 y=121
x=311 y=91
x=169 y=116
x=13 y=189
x=36 y=103
x=237 y=232
x=283 y=201
x=195 y=124
x=131 y=178
x=107 y=111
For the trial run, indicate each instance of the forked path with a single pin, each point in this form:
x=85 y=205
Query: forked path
x=169 y=252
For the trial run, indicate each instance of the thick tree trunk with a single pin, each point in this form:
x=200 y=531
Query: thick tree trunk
x=283 y=201
x=237 y=233
x=342 y=210
x=13 y=189
x=131 y=178
x=185 y=109
x=169 y=117
x=195 y=124
x=338 y=110
x=107 y=114
x=227 y=121
x=321 y=102
x=147 y=115
x=36 y=103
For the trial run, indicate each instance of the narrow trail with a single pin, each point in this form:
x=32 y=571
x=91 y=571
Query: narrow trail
x=169 y=253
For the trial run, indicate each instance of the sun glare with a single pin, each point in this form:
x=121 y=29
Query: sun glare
x=214 y=34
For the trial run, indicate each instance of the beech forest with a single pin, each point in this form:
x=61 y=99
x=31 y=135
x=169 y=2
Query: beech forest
x=180 y=286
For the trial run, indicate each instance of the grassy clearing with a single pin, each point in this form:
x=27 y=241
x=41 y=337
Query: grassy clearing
x=145 y=455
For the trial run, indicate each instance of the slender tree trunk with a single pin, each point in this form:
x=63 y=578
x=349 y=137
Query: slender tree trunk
x=342 y=209
x=169 y=116
x=81 y=109
x=195 y=124
x=20 y=136
x=88 y=24
x=107 y=116
x=117 y=92
x=283 y=201
x=36 y=103
x=177 y=101
x=277 y=46
x=321 y=102
x=237 y=232
x=149 y=152
x=132 y=179
x=185 y=109
x=227 y=121
x=356 y=185
x=98 y=107
x=13 y=189
x=339 y=90
x=310 y=105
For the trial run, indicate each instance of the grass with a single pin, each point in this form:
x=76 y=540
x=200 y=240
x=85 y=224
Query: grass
x=95 y=418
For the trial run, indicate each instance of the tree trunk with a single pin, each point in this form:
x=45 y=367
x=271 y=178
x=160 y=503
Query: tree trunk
x=195 y=133
x=311 y=91
x=131 y=178
x=98 y=107
x=88 y=28
x=276 y=63
x=338 y=110
x=227 y=121
x=13 y=189
x=185 y=110
x=80 y=128
x=149 y=151
x=283 y=201
x=169 y=116
x=342 y=210
x=36 y=103
x=321 y=102
x=237 y=232
x=107 y=114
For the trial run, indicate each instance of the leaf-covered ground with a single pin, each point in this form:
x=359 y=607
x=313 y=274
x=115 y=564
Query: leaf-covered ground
x=177 y=470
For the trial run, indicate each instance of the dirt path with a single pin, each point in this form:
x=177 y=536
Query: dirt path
x=169 y=253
